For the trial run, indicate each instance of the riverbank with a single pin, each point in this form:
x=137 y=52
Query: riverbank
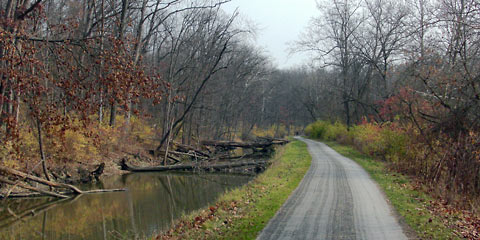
x=244 y=212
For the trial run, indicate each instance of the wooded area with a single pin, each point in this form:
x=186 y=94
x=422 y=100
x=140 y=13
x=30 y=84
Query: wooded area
x=84 y=81
x=406 y=72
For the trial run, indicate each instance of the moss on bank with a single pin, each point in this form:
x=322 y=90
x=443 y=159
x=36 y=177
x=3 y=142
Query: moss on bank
x=242 y=213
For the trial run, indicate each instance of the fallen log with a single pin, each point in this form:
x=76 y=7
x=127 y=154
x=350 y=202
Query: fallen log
x=19 y=184
x=280 y=142
x=193 y=155
x=39 y=180
x=127 y=167
x=189 y=149
x=169 y=155
x=255 y=154
x=274 y=140
x=230 y=144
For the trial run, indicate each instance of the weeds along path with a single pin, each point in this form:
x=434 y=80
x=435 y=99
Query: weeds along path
x=337 y=199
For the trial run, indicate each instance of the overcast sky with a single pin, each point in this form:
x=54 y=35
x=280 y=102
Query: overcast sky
x=280 y=22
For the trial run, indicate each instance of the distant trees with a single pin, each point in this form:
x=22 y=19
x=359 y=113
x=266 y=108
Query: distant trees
x=412 y=68
x=332 y=36
x=378 y=47
x=192 y=68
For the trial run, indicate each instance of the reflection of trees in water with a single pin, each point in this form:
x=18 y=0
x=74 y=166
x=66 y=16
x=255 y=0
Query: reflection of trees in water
x=14 y=213
x=152 y=203
x=64 y=219
x=176 y=194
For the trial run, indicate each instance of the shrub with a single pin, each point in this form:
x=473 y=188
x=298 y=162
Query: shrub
x=337 y=131
x=367 y=139
x=383 y=141
x=450 y=164
x=317 y=129
x=280 y=131
x=7 y=154
x=71 y=141
x=140 y=131
x=394 y=145
x=78 y=147
x=273 y=131
x=28 y=143
x=262 y=132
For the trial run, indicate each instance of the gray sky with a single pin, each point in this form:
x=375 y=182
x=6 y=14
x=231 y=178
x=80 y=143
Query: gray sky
x=280 y=22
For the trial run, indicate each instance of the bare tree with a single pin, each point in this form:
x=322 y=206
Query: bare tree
x=331 y=36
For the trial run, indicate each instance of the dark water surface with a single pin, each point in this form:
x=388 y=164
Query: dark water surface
x=152 y=202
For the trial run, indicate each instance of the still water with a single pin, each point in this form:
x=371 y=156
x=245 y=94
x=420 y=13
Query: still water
x=153 y=201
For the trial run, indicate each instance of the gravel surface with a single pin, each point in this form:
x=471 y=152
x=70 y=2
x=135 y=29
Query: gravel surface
x=337 y=199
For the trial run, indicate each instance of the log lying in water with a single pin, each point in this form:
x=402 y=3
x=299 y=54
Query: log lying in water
x=279 y=141
x=230 y=144
x=203 y=152
x=127 y=167
x=264 y=144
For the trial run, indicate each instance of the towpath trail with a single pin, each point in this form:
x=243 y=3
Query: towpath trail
x=337 y=199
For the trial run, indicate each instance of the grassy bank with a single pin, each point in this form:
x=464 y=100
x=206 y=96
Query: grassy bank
x=413 y=205
x=244 y=212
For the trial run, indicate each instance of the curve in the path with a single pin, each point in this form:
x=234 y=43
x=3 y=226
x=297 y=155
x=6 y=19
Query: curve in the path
x=336 y=199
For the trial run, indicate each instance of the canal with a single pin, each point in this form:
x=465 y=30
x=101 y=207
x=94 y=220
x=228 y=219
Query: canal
x=151 y=204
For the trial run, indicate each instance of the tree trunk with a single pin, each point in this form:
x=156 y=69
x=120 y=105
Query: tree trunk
x=40 y=148
x=121 y=31
x=102 y=46
x=113 y=114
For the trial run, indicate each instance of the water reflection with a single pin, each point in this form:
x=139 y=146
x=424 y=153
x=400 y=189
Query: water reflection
x=152 y=202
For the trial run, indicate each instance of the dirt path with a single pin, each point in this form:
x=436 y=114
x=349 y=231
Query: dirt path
x=336 y=200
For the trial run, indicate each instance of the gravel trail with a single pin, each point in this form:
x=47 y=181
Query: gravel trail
x=336 y=199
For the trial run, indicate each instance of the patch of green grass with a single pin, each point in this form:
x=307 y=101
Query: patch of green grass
x=244 y=212
x=408 y=202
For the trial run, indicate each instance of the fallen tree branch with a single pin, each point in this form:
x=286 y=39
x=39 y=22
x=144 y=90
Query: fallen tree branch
x=275 y=140
x=187 y=149
x=37 y=194
x=19 y=184
x=189 y=154
x=104 y=190
x=169 y=155
x=127 y=167
x=39 y=180
x=228 y=144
